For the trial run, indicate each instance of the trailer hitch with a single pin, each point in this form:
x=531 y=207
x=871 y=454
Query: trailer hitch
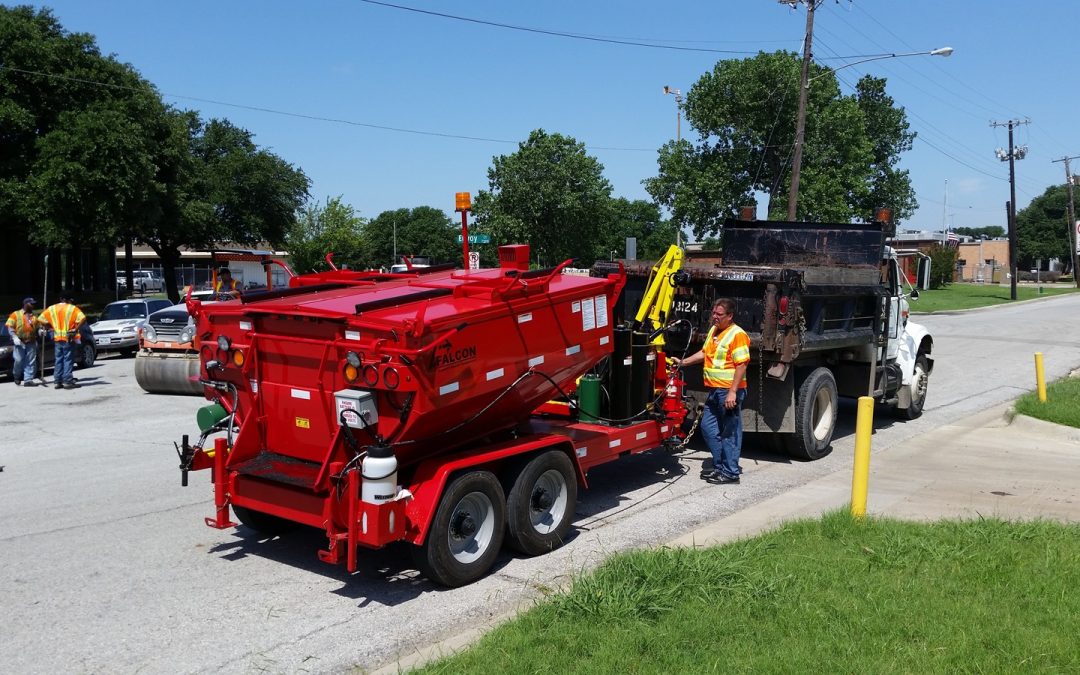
x=186 y=453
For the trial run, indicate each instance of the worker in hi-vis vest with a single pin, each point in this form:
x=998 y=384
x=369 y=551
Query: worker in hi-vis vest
x=725 y=356
x=225 y=286
x=65 y=319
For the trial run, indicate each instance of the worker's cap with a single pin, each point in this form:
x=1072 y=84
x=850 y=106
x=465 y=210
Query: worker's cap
x=66 y=295
x=29 y=301
x=224 y=270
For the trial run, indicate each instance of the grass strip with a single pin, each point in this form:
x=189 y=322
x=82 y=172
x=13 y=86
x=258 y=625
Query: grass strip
x=1062 y=403
x=969 y=296
x=826 y=595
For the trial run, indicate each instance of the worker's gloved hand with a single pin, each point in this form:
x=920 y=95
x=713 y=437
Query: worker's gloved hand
x=15 y=340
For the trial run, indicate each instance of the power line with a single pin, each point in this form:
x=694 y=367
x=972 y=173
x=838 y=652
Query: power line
x=553 y=33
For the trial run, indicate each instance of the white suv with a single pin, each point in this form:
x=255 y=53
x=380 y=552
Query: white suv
x=147 y=281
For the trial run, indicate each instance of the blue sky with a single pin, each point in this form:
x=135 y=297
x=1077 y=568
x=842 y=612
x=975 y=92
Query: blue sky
x=348 y=60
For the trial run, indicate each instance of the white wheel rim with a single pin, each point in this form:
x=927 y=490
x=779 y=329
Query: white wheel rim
x=918 y=393
x=822 y=414
x=472 y=526
x=547 y=501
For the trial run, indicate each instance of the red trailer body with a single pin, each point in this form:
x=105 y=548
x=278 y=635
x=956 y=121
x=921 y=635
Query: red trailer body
x=436 y=376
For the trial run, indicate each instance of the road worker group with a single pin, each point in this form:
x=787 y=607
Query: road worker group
x=60 y=323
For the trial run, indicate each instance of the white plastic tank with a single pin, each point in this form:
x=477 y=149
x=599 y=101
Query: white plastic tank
x=379 y=470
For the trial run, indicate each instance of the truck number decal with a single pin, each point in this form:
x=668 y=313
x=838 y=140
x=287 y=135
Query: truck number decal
x=735 y=276
x=684 y=306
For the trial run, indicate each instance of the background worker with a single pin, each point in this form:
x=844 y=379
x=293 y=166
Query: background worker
x=22 y=326
x=65 y=319
x=226 y=285
x=725 y=356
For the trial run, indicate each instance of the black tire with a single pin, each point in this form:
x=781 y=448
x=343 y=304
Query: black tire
x=919 y=381
x=540 y=506
x=466 y=532
x=263 y=523
x=88 y=356
x=815 y=416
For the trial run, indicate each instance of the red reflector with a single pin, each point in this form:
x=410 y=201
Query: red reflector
x=783 y=304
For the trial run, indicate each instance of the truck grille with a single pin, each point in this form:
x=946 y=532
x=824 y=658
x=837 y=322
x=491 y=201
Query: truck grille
x=168 y=331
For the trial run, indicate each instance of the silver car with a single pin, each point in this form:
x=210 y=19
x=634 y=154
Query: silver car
x=117 y=329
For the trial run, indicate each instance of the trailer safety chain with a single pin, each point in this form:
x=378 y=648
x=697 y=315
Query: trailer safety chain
x=676 y=449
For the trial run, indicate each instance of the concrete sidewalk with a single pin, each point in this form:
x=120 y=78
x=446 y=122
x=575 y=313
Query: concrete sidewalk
x=984 y=465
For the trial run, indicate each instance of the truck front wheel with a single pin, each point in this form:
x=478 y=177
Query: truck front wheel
x=815 y=416
x=919 y=380
x=263 y=523
x=467 y=531
x=541 y=503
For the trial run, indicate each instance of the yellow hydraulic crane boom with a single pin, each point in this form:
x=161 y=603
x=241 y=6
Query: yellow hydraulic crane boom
x=655 y=307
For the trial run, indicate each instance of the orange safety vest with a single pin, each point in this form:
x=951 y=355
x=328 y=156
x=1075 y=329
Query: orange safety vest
x=723 y=353
x=219 y=282
x=65 y=319
x=22 y=324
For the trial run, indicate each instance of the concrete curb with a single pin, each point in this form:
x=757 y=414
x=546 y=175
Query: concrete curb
x=1036 y=427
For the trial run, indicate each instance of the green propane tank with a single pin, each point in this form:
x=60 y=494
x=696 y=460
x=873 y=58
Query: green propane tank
x=209 y=415
x=589 y=398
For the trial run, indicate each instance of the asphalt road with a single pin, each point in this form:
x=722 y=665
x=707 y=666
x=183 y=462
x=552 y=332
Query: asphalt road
x=106 y=565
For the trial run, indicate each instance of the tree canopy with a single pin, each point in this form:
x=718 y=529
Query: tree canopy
x=1043 y=230
x=421 y=231
x=744 y=112
x=331 y=228
x=550 y=194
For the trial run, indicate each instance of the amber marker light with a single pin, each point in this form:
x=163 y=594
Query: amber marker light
x=238 y=358
x=462 y=201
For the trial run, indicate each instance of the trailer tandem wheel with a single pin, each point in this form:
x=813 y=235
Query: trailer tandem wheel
x=540 y=506
x=815 y=416
x=466 y=532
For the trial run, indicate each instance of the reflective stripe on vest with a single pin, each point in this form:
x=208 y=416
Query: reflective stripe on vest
x=23 y=324
x=62 y=319
x=716 y=357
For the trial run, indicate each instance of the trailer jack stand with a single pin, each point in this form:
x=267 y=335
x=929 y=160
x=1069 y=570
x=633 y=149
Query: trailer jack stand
x=186 y=453
x=220 y=521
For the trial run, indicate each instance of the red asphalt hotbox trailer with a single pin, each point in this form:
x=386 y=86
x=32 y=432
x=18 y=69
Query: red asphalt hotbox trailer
x=438 y=407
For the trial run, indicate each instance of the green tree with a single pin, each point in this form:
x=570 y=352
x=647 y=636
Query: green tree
x=422 y=231
x=549 y=194
x=79 y=134
x=744 y=112
x=942 y=265
x=217 y=186
x=331 y=228
x=991 y=231
x=1042 y=229
x=642 y=220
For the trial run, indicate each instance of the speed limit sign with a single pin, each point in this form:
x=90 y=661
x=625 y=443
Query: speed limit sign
x=474 y=260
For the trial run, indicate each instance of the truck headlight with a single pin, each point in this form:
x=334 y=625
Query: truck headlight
x=187 y=335
x=149 y=334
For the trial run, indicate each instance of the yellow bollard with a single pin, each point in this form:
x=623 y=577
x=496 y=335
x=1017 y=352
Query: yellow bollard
x=860 y=479
x=1040 y=377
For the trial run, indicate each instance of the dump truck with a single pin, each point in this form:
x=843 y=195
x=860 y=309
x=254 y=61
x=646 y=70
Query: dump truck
x=826 y=307
x=448 y=409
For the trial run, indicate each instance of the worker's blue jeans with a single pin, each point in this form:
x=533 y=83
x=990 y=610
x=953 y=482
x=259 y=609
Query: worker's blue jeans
x=722 y=429
x=65 y=362
x=25 y=361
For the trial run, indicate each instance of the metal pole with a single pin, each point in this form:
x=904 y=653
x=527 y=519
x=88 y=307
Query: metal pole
x=1012 y=211
x=860 y=477
x=800 y=120
x=1074 y=254
x=465 y=237
x=41 y=338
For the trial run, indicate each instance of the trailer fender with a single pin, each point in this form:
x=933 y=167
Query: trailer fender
x=432 y=476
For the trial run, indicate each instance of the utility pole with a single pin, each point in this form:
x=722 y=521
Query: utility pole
x=1014 y=154
x=800 y=123
x=1074 y=252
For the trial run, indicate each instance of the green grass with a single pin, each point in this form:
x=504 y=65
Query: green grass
x=1062 y=403
x=968 y=296
x=821 y=596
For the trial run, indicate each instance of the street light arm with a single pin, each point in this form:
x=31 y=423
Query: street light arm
x=941 y=51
